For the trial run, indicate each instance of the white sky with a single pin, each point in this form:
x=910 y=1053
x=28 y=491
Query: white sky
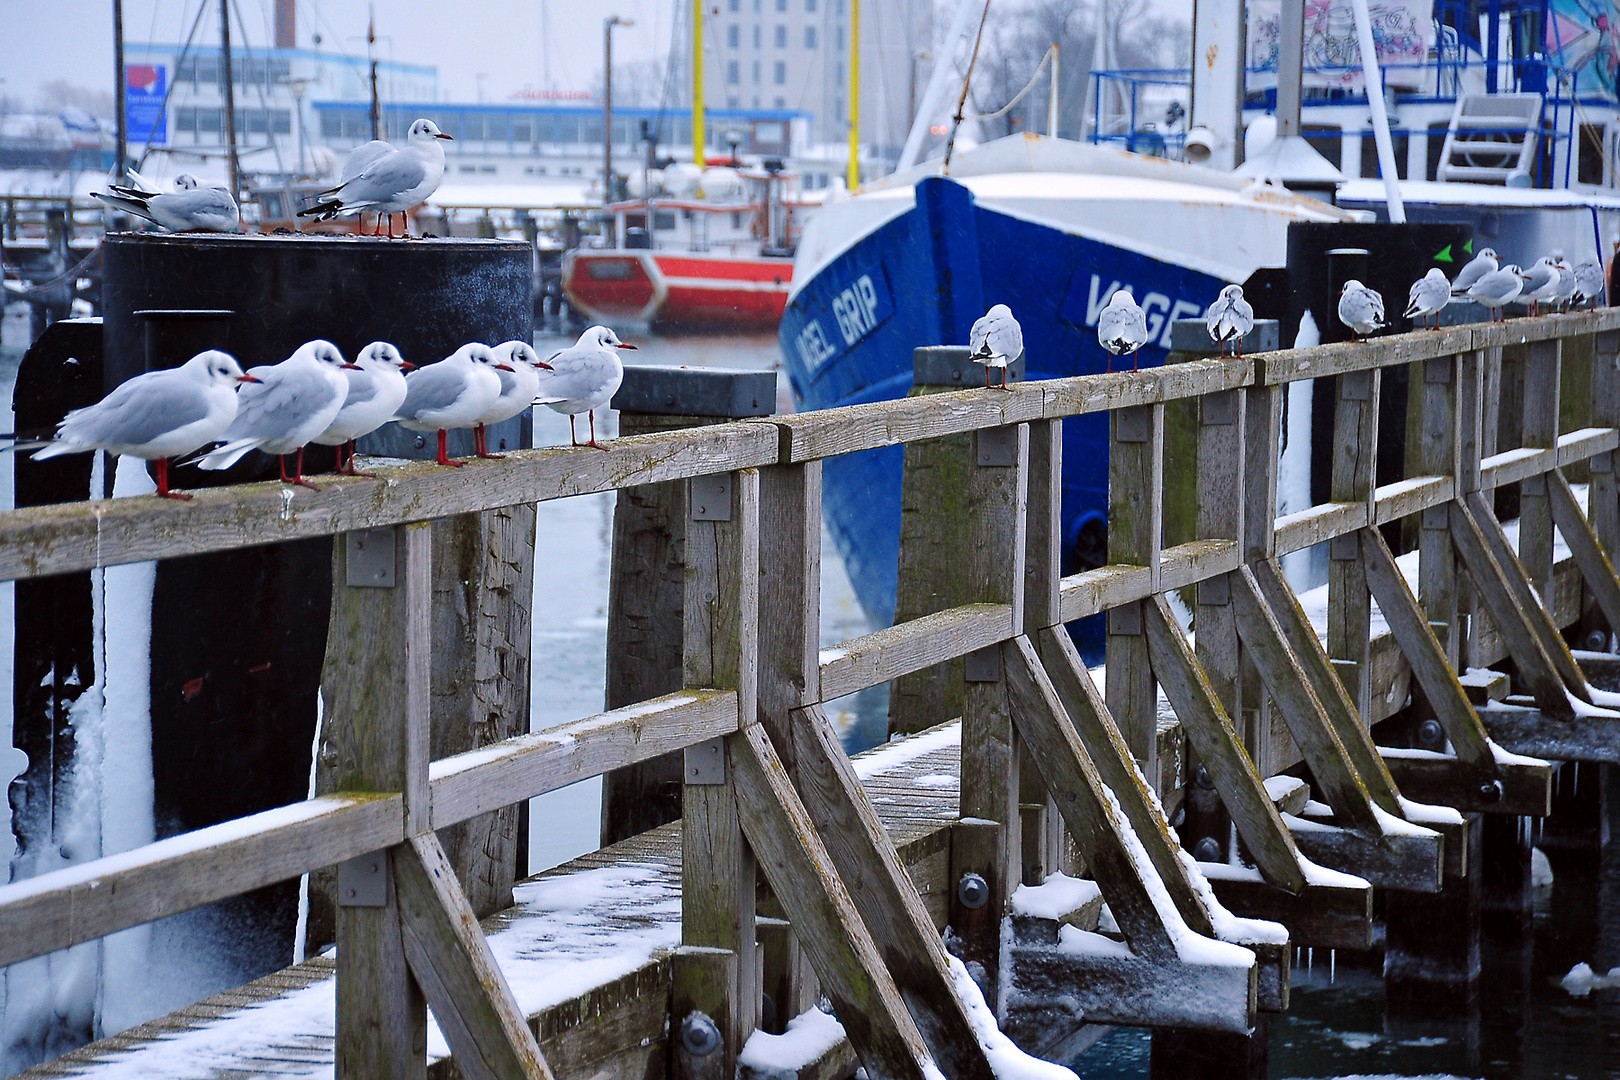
x=493 y=46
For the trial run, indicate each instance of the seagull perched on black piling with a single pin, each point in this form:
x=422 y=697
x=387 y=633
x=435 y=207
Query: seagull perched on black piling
x=1122 y=327
x=1229 y=319
x=392 y=182
x=996 y=341
x=190 y=207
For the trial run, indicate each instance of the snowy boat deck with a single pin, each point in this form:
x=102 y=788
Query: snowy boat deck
x=585 y=949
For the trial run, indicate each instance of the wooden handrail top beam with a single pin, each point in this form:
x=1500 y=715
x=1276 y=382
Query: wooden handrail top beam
x=911 y=646
x=95 y=898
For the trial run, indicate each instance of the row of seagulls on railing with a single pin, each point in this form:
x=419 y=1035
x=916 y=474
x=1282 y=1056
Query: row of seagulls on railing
x=316 y=396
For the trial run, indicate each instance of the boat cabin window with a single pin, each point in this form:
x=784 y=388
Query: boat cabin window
x=663 y=220
x=1437 y=146
x=1369 y=155
x=1327 y=140
x=1589 y=165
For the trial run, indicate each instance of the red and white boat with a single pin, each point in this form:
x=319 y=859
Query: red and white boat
x=709 y=258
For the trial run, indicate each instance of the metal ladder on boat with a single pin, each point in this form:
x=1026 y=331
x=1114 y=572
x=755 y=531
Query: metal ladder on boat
x=1492 y=139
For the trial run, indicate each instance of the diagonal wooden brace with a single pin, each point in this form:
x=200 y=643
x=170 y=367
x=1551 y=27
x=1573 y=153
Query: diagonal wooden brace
x=868 y=864
x=1472 y=528
x=1596 y=568
x=488 y=1033
x=818 y=904
x=1210 y=730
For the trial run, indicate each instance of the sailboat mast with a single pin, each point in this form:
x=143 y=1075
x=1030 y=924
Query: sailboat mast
x=371 y=55
x=853 y=180
x=697 y=83
x=233 y=162
x=120 y=90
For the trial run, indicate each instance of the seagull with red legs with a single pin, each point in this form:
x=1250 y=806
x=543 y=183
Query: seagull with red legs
x=285 y=408
x=454 y=393
x=376 y=388
x=158 y=415
x=519 y=368
x=583 y=377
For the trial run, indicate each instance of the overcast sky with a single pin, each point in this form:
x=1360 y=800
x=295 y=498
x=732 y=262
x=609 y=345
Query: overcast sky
x=501 y=40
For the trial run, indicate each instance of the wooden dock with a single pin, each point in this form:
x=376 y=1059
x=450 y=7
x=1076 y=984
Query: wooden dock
x=794 y=874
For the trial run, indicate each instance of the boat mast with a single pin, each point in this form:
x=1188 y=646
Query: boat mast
x=120 y=87
x=1373 y=80
x=697 y=83
x=233 y=162
x=934 y=93
x=371 y=55
x=853 y=180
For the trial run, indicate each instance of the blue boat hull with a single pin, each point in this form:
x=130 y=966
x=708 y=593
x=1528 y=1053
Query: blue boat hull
x=922 y=278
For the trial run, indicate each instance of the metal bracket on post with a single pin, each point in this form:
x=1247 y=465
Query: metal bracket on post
x=983 y=665
x=711 y=497
x=1344 y=546
x=370 y=561
x=996 y=447
x=363 y=880
x=1134 y=424
x=706 y=762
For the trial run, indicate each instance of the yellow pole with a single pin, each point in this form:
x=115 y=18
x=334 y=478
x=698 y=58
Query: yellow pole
x=697 y=83
x=854 y=178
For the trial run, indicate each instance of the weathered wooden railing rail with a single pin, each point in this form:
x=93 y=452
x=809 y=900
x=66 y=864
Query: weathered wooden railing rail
x=766 y=780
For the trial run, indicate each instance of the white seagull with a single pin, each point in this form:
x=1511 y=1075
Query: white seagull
x=376 y=387
x=583 y=376
x=293 y=402
x=1361 y=309
x=355 y=164
x=519 y=368
x=1476 y=268
x=158 y=415
x=1589 y=281
x=1497 y=289
x=1566 y=288
x=1229 y=319
x=452 y=393
x=390 y=183
x=1429 y=296
x=1122 y=327
x=1540 y=283
x=996 y=341
x=191 y=207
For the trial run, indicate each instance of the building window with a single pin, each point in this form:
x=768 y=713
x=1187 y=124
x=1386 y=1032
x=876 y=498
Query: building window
x=810 y=6
x=780 y=74
x=838 y=38
x=838 y=8
x=522 y=131
x=838 y=110
x=780 y=103
x=838 y=72
x=735 y=5
x=756 y=7
x=809 y=37
x=756 y=73
x=733 y=36
x=781 y=5
x=758 y=36
x=733 y=102
x=731 y=72
x=781 y=36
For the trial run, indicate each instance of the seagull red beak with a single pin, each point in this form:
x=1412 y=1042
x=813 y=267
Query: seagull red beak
x=442 y=135
x=250 y=378
x=353 y=367
x=625 y=345
x=503 y=367
x=543 y=364
x=406 y=365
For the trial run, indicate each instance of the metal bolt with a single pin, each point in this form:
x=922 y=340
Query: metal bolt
x=1491 y=791
x=973 y=891
x=1201 y=778
x=1207 y=850
x=699 y=1036
x=1430 y=733
x=421 y=441
x=1597 y=641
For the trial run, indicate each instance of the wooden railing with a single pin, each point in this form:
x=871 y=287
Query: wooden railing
x=766 y=779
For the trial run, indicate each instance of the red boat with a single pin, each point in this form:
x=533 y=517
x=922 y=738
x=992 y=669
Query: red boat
x=709 y=262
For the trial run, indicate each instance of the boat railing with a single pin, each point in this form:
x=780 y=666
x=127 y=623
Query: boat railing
x=765 y=775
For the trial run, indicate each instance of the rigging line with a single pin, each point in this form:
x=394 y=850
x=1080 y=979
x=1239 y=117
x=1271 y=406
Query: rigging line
x=168 y=91
x=961 y=101
x=1027 y=87
x=258 y=87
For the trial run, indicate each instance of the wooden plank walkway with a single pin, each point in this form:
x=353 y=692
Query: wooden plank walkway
x=585 y=947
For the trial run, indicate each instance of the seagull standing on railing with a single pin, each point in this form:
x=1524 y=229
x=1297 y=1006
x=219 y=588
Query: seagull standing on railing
x=1429 y=296
x=1498 y=289
x=1122 y=327
x=285 y=406
x=376 y=388
x=1540 y=283
x=519 y=369
x=452 y=393
x=158 y=415
x=582 y=378
x=1477 y=267
x=1229 y=319
x=995 y=341
x=1589 y=282
x=1361 y=309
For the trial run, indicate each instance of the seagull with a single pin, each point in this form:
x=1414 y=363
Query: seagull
x=1477 y=267
x=191 y=207
x=1540 y=282
x=1429 y=296
x=1589 y=281
x=295 y=401
x=376 y=387
x=583 y=376
x=996 y=340
x=1230 y=318
x=355 y=164
x=519 y=368
x=453 y=393
x=1122 y=328
x=1565 y=290
x=158 y=415
x=1497 y=289
x=390 y=183
x=1361 y=309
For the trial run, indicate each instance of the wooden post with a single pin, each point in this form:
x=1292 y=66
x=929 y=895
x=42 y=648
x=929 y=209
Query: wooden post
x=376 y=690
x=1603 y=499
x=1355 y=459
x=997 y=490
x=1541 y=380
x=720 y=644
x=1135 y=533
x=1220 y=483
x=1262 y=434
x=1439 y=454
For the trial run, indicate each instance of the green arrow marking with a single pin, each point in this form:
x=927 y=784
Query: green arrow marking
x=1444 y=255
x=1468 y=248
